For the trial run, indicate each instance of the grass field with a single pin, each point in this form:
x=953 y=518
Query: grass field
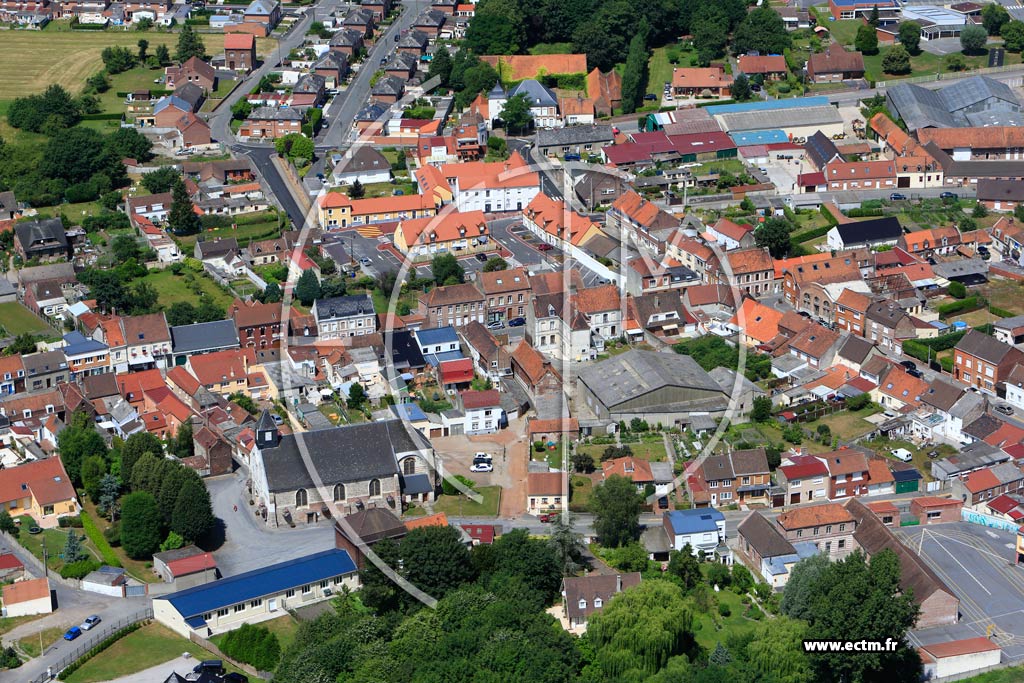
x=173 y=288
x=460 y=506
x=923 y=64
x=260 y=230
x=1005 y=294
x=8 y=623
x=53 y=540
x=30 y=645
x=31 y=60
x=653 y=451
x=579 y=496
x=845 y=425
x=1013 y=674
x=708 y=635
x=17 y=319
x=151 y=645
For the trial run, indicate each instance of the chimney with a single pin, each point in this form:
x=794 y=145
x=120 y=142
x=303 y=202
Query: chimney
x=618 y=583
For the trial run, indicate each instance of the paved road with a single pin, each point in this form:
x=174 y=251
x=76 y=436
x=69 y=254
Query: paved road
x=856 y=95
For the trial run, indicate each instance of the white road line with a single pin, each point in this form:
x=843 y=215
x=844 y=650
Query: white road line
x=960 y=564
x=973 y=547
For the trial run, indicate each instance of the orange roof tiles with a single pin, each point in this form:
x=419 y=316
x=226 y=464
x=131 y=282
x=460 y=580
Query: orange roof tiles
x=903 y=386
x=762 y=64
x=815 y=515
x=981 y=480
x=519 y=67
x=878 y=472
x=26 y=591
x=550 y=214
x=745 y=261
x=364 y=207
x=634 y=469
x=494 y=174
x=530 y=360
x=759 y=322
x=887 y=129
x=239 y=41
x=700 y=77
x=575 y=106
x=597 y=299
x=445 y=227
x=636 y=207
x=437 y=519
x=544 y=483
x=991 y=137
x=46 y=479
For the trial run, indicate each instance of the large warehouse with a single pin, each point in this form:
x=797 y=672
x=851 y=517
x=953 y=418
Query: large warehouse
x=978 y=101
x=664 y=388
x=796 y=117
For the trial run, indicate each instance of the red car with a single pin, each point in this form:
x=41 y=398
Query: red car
x=549 y=517
x=544 y=247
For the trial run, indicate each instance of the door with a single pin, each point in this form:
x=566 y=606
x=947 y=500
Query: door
x=272 y=604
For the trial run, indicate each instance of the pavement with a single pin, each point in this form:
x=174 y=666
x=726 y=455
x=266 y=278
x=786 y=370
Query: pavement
x=161 y=672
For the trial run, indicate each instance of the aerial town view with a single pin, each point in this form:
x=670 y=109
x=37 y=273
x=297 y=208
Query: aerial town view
x=512 y=341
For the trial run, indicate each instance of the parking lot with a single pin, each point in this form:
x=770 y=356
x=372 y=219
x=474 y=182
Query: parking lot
x=977 y=564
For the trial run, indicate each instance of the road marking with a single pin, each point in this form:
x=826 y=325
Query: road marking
x=960 y=564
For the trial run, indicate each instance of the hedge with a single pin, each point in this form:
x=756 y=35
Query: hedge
x=1001 y=312
x=862 y=212
x=808 y=235
x=96 y=536
x=88 y=27
x=971 y=303
x=823 y=210
x=79 y=569
x=103 y=117
x=254 y=645
x=100 y=647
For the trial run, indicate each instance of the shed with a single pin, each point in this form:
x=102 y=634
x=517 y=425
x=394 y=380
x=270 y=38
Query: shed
x=958 y=657
x=23 y=598
x=907 y=481
x=105 y=581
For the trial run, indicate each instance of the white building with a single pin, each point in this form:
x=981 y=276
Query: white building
x=23 y=598
x=702 y=528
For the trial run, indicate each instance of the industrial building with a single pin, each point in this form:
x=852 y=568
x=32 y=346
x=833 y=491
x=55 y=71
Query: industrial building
x=978 y=101
x=795 y=118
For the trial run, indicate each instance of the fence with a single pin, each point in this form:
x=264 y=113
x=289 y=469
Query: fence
x=247 y=668
x=991 y=522
x=33 y=562
x=105 y=630
x=951 y=76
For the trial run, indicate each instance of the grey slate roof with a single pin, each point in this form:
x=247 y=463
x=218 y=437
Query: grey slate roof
x=342 y=454
x=190 y=93
x=275 y=114
x=855 y=349
x=402 y=61
x=637 y=373
x=342 y=306
x=362 y=158
x=736 y=122
x=332 y=60
x=346 y=37
x=821 y=149
x=764 y=537
x=536 y=94
x=44 y=230
x=218 y=334
x=389 y=85
x=980 y=345
x=920 y=107
x=414 y=39
x=575 y=135
x=310 y=84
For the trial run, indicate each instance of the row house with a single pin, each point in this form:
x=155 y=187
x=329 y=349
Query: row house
x=887 y=324
x=491 y=187
x=602 y=308
x=223 y=372
x=453 y=232
x=85 y=356
x=851 y=311
x=829 y=526
x=337 y=210
x=737 y=477
x=136 y=342
x=984 y=362
x=729 y=235
x=937 y=241
x=347 y=42
x=988 y=483
x=814 y=287
x=558 y=225
x=644 y=275
x=695 y=255
x=507 y=294
x=271 y=123
x=491 y=357
x=344 y=316
x=752 y=271
x=452 y=305
x=847 y=474
x=258 y=324
x=898 y=389
x=12 y=375
x=803 y=478
x=646 y=222
x=844 y=176
x=557 y=329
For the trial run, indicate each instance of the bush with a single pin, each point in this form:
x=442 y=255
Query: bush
x=964 y=305
x=858 y=402
x=254 y=645
x=448 y=488
x=100 y=540
x=9 y=659
x=113 y=534
x=724 y=609
x=78 y=570
x=74 y=521
x=957 y=290
x=1001 y=312
x=538 y=446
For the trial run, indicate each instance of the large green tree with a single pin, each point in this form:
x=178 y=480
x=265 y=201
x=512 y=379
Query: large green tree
x=634 y=75
x=740 y=90
x=446 y=270
x=776 y=652
x=993 y=17
x=140 y=525
x=77 y=442
x=616 y=508
x=134 y=447
x=307 y=289
x=498 y=28
x=1013 y=35
x=516 y=554
x=866 y=40
x=190 y=44
x=182 y=218
x=973 y=39
x=774 y=235
x=683 y=565
x=193 y=515
x=516 y=115
x=710 y=29
x=896 y=61
x=761 y=30
x=441 y=65
x=910 y=36
x=435 y=560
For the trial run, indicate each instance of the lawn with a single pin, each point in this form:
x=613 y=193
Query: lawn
x=460 y=506
x=173 y=288
x=921 y=460
x=151 y=645
x=136 y=568
x=263 y=226
x=579 y=492
x=843 y=31
x=380 y=189
x=659 y=69
x=921 y=65
x=845 y=425
x=653 y=451
x=284 y=627
x=1013 y=674
x=32 y=60
x=30 y=645
x=706 y=630
x=53 y=539
x=16 y=319
x=1005 y=294
x=551 y=49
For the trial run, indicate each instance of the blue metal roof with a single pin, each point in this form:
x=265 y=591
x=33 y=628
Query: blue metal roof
x=435 y=359
x=271 y=580
x=694 y=521
x=768 y=105
x=408 y=411
x=76 y=343
x=437 y=335
x=759 y=137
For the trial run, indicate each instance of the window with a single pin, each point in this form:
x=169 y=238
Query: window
x=301 y=498
x=339 y=492
x=842 y=527
x=842 y=541
x=799 y=533
x=239 y=607
x=828 y=529
x=583 y=604
x=375 y=487
x=815 y=531
x=222 y=612
x=409 y=464
x=290 y=593
x=47 y=509
x=324 y=583
x=308 y=588
x=935 y=514
x=256 y=603
x=713 y=484
x=338 y=580
x=840 y=492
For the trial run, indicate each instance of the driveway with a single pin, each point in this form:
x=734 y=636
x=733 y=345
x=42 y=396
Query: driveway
x=941 y=46
x=249 y=543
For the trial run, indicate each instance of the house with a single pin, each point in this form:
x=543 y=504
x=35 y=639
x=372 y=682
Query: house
x=657 y=387
x=507 y=293
x=270 y=123
x=738 y=476
x=491 y=357
x=701 y=82
x=366 y=528
x=452 y=305
x=728 y=235
x=644 y=221
x=605 y=89
x=309 y=91
x=240 y=52
x=344 y=316
x=753 y=271
x=545 y=492
x=984 y=362
x=28 y=597
x=336 y=210
x=583 y=596
x=454 y=232
x=887 y=324
x=542 y=100
x=11 y=568
x=388 y=90
x=847 y=473
x=193 y=70
x=358 y=465
x=40 y=489
x=360 y=19
x=765 y=550
x=871 y=233
x=935 y=510
x=332 y=67
x=346 y=41
x=491 y=187
x=701 y=528
x=266 y=13
x=483 y=412
x=802 y=477
x=938 y=603
x=42 y=239
x=363 y=163
x=829 y=526
x=258 y=324
x=574 y=139
x=222 y=372
x=414 y=43
x=185 y=567
x=835 y=64
x=988 y=483
x=949 y=660
x=402 y=65
x=771 y=67
x=45 y=370
x=199 y=338
x=257 y=595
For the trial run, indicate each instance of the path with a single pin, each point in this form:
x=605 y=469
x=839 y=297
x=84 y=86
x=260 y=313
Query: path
x=160 y=672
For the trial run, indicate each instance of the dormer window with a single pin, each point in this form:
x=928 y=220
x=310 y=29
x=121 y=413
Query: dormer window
x=598 y=602
x=583 y=603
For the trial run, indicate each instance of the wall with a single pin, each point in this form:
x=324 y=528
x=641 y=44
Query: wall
x=40 y=606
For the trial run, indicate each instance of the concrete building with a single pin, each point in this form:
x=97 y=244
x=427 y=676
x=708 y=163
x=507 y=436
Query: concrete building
x=24 y=598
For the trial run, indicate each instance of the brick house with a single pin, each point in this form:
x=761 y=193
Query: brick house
x=737 y=477
x=240 y=52
x=43 y=239
x=803 y=479
x=753 y=271
x=507 y=293
x=270 y=123
x=454 y=305
x=259 y=325
x=847 y=474
x=984 y=362
x=935 y=510
x=829 y=526
x=988 y=483
x=851 y=311
x=212 y=453
x=835 y=64
x=701 y=82
x=193 y=70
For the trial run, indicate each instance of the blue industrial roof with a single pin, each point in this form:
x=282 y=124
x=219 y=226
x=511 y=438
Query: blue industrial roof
x=408 y=411
x=759 y=137
x=194 y=602
x=694 y=521
x=76 y=343
x=437 y=335
x=768 y=105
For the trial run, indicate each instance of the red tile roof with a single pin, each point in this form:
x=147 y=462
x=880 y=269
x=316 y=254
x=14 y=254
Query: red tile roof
x=191 y=565
x=46 y=480
x=544 y=483
x=24 y=591
x=457 y=371
x=815 y=515
x=482 y=533
x=437 y=519
x=10 y=561
x=958 y=648
x=981 y=480
x=480 y=399
x=239 y=41
x=803 y=466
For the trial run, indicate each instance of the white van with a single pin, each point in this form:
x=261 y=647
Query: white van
x=902 y=454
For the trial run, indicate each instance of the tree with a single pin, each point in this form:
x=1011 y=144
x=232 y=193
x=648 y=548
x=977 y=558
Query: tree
x=742 y=579
x=776 y=652
x=762 y=409
x=616 y=507
x=129 y=143
x=193 y=512
x=435 y=560
x=356 y=190
x=896 y=60
x=955 y=61
x=163 y=55
x=498 y=28
x=117 y=59
x=190 y=44
x=182 y=218
x=803 y=580
x=93 y=469
x=77 y=155
x=993 y=18
x=172 y=542
x=78 y=442
x=307 y=289
x=143 y=46
x=98 y=82
x=447 y=270
x=910 y=36
x=516 y=115
x=140 y=525
x=582 y=462
x=634 y=74
x=973 y=39
x=183 y=445
x=762 y=30
x=866 y=40
x=741 y=92
x=110 y=491
x=23 y=343
x=720 y=656
x=161 y=180
x=134 y=447
x=568 y=545
x=957 y=290
x=7 y=523
x=683 y=565
x=441 y=65
x=873 y=18
x=639 y=630
x=1013 y=35
x=356 y=396
x=55 y=109
x=495 y=263
x=773 y=235
x=73 y=549
x=710 y=28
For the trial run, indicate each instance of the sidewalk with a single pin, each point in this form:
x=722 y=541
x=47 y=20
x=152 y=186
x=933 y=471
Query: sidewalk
x=160 y=672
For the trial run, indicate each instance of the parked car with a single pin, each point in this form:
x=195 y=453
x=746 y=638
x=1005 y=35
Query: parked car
x=902 y=454
x=909 y=364
x=278 y=420
x=650 y=96
x=72 y=633
x=90 y=622
x=544 y=247
x=482 y=258
x=948 y=195
x=915 y=373
x=572 y=157
x=210 y=666
x=496 y=325
x=397 y=37
x=897 y=197
x=933 y=454
x=548 y=517
x=482 y=467
x=1004 y=409
x=365 y=261
x=517 y=322
x=482 y=457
